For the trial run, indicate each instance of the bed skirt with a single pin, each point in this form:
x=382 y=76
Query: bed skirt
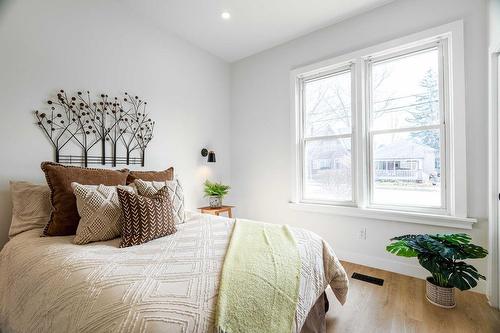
x=316 y=319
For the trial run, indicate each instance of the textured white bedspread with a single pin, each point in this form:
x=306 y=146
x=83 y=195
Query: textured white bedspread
x=48 y=284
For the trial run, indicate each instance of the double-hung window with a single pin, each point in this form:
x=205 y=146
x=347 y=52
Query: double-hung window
x=383 y=128
x=326 y=101
x=406 y=108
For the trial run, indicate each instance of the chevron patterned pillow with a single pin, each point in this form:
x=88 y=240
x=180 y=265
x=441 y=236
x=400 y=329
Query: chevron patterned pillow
x=145 y=218
x=149 y=188
x=99 y=210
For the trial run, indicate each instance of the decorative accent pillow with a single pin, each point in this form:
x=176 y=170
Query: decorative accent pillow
x=100 y=212
x=158 y=176
x=64 y=218
x=145 y=219
x=30 y=206
x=175 y=191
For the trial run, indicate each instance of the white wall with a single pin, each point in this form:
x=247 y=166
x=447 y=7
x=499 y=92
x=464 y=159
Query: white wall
x=260 y=125
x=494 y=23
x=103 y=47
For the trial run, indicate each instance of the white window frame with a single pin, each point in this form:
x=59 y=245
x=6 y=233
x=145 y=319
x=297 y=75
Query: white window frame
x=454 y=213
x=441 y=44
x=493 y=176
x=301 y=81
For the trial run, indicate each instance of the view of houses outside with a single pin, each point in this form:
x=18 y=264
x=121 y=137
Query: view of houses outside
x=406 y=158
x=328 y=174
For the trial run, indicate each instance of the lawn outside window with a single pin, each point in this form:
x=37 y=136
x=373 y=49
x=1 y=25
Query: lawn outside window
x=383 y=129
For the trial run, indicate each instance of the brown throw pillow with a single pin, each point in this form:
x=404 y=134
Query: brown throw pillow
x=64 y=218
x=145 y=218
x=150 y=176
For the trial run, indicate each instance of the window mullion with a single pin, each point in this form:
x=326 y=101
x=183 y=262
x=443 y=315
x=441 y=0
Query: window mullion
x=367 y=125
x=359 y=132
x=354 y=139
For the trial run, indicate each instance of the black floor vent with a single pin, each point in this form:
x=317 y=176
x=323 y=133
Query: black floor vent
x=367 y=278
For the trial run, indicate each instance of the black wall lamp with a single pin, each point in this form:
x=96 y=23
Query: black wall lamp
x=211 y=155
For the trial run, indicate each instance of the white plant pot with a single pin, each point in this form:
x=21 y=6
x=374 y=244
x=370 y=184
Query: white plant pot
x=215 y=202
x=440 y=296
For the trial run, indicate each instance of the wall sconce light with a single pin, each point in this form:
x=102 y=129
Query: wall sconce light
x=211 y=155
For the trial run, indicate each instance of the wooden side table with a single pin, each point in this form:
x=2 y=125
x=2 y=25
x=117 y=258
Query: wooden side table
x=217 y=211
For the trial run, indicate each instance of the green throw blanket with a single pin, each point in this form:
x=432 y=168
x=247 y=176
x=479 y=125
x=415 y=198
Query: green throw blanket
x=259 y=286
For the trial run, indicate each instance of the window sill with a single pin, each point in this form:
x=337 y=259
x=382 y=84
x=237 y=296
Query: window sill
x=386 y=215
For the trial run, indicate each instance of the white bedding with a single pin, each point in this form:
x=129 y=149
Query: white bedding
x=48 y=284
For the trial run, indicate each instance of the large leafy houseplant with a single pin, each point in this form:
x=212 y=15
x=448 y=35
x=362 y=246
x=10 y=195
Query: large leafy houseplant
x=442 y=256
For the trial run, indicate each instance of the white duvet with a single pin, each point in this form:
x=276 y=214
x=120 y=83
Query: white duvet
x=48 y=284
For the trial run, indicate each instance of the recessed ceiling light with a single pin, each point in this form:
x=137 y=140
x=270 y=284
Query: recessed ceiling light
x=225 y=15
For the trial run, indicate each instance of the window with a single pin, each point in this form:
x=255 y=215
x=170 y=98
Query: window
x=406 y=123
x=326 y=104
x=383 y=128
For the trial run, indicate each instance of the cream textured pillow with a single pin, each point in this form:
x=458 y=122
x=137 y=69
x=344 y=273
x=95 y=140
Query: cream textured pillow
x=99 y=210
x=175 y=191
x=31 y=206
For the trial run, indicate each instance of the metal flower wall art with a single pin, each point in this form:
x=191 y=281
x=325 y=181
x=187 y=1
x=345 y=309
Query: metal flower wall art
x=109 y=125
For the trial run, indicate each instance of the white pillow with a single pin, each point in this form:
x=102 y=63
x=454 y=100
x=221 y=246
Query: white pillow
x=175 y=191
x=100 y=212
x=31 y=206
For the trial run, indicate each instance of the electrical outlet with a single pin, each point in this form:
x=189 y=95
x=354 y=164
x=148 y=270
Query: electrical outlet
x=362 y=234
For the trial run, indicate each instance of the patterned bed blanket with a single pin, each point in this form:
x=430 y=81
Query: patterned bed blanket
x=48 y=284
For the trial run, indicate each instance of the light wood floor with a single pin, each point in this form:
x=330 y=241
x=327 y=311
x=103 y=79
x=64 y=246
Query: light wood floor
x=400 y=306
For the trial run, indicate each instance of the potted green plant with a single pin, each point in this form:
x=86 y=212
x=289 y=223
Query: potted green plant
x=442 y=256
x=215 y=192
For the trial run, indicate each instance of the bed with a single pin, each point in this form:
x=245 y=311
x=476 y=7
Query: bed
x=49 y=284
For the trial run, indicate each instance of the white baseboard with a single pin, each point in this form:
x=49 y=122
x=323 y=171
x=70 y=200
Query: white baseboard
x=387 y=265
x=391 y=266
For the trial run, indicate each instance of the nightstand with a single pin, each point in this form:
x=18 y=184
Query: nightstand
x=217 y=211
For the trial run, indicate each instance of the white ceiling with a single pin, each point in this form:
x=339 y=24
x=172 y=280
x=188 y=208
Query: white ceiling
x=255 y=25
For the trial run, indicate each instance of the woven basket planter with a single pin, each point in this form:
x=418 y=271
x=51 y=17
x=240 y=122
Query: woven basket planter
x=440 y=296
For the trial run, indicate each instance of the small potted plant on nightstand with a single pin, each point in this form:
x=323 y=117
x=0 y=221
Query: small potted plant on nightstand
x=215 y=192
x=442 y=256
